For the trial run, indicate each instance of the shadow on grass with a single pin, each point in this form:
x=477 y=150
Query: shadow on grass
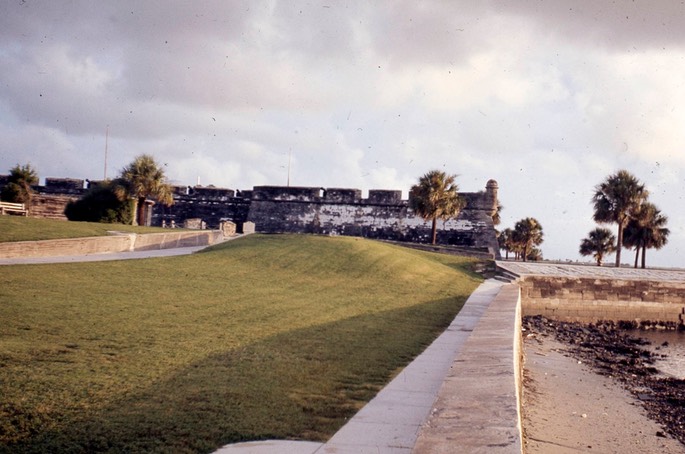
x=303 y=384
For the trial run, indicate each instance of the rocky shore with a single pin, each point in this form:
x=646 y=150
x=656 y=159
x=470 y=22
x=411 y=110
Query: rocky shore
x=618 y=354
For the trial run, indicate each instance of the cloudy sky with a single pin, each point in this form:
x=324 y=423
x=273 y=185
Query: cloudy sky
x=546 y=97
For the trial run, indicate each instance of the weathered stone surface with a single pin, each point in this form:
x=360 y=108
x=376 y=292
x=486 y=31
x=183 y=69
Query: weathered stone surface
x=212 y=205
x=383 y=215
x=192 y=223
x=278 y=209
x=590 y=300
x=50 y=206
x=248 y=227
x=228 y=228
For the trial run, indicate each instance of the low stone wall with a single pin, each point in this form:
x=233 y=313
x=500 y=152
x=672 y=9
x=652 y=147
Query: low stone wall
x=589 y=300
x=152 y=241
x=50 y=206
x=478 y=408
x=121 y=242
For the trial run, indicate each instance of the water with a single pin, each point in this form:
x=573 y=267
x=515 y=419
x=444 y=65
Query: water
x=674 y=362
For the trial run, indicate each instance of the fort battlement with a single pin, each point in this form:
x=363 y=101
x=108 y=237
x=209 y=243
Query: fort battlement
x=383 y=214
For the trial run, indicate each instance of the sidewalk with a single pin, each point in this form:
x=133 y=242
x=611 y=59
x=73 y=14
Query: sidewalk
x=592 y=271
x=394 y=420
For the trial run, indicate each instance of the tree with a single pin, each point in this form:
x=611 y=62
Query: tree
x=527 y=234
x=18 y=188
x=646 y=229
x=598 y=243
x=497 y=215
x=101 y=204
x=436 y=197
x=615 y=201
x=534 y=254
x=141 y=179
x=504 y=240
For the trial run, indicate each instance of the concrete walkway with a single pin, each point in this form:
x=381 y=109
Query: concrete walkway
x=405 y=409
x=600 y=272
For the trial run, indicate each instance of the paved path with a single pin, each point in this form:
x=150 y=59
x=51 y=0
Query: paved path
x=391 y=422
x=605 y=272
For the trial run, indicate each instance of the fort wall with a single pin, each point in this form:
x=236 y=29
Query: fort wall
x=328 y=211
x=383 y=215
x=211 y=205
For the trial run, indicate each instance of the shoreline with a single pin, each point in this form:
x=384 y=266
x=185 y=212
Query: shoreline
x=590 y=388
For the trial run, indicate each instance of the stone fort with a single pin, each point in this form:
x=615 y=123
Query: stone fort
x=286 y=209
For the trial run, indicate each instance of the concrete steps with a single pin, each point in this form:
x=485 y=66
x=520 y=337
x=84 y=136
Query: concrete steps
x=506 y=276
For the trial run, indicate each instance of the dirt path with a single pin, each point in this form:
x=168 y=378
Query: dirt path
x=568 y=408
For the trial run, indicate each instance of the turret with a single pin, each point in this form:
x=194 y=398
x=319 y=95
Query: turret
x=491 y=195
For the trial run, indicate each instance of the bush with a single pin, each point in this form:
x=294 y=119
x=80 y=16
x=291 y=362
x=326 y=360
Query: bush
x=100 y=204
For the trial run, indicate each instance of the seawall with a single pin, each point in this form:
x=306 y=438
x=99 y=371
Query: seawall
x=589 y=294
x=478 y=408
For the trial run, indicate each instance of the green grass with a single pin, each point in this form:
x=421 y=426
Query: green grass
x=262 y=337
x=20 y=228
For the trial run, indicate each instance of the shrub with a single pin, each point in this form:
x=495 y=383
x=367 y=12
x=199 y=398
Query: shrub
x=100 y=204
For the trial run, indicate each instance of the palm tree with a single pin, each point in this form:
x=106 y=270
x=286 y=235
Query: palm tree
x=646 y=229
x=504 y=241
x=141 y=179
x=527 y=234
x=534 y=254
x=598 y=243
x=497 y=215
x=18 y=188
x=436 y=197
x=615 y=200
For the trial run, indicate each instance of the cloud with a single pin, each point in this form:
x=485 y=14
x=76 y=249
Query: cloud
x=546 y=97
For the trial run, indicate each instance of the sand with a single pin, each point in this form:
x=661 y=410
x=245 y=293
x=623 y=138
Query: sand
x=568 y=408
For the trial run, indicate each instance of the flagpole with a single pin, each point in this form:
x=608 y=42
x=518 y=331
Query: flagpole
x=106 y=143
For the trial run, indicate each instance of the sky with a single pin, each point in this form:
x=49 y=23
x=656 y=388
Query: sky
x=546 y=97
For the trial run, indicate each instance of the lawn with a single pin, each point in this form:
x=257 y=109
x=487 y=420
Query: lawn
x=20 y=228
x=282 y=336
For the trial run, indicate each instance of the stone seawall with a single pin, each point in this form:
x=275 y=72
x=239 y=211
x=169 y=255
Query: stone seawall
x=590 y=299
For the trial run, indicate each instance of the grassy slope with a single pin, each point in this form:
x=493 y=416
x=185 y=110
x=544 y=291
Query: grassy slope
x=19 y=228
x=267 y=336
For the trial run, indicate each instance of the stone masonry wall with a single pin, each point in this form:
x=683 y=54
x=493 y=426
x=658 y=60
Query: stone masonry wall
x=50 y=206
x=383 y=215
x=273 y=209
x=212 y=205
x=589 y=300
